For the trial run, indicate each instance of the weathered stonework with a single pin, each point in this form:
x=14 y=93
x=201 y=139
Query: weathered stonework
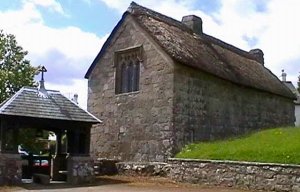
x=297 y=114
x=137 y=125
x=208 y=108
x=245 y=175
x=10 y=169
x=80 y=170
x=143 y=168
x=254 y=176
x=175 y=104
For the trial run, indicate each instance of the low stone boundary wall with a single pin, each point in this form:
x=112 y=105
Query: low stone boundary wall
x=80 y=169
x=244 y=175
x=104 y=166
x=247 y=175
x=143 y=168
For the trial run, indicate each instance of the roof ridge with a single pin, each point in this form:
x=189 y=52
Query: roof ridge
x=204 y=52
x=135 y=8
x=10 y=100
x=27 y=88
x=223 y=59
x=30 y=89
x=228 y=46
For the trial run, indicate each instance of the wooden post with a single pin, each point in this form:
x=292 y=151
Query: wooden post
x=58 y=142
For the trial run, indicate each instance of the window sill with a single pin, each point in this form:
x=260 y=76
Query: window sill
x=126 y=94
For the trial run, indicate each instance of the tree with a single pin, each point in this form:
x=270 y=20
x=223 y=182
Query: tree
x=15 y=70
x=298 y=84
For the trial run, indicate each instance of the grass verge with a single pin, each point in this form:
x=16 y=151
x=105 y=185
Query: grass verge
x=279 y=145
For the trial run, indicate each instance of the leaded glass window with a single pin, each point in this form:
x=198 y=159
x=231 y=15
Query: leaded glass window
x=128 y=70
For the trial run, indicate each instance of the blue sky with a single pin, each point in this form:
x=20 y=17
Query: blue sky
x=80 y=14
x=66 y=35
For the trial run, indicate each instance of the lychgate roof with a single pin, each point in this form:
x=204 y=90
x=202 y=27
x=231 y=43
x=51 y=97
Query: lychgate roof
x=201 y=51
x=28 y=102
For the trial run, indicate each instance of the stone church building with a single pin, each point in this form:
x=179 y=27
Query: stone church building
x=159 y=84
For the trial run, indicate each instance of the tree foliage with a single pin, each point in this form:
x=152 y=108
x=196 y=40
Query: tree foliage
x=298 y=84
x=28 y=140
x=15 y=70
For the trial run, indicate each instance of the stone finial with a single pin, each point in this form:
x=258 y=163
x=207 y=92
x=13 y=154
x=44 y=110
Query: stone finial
x=258 y=55
x=193 y=22
x=283 y=75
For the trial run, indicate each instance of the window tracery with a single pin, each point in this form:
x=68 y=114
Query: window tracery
x=127 y=71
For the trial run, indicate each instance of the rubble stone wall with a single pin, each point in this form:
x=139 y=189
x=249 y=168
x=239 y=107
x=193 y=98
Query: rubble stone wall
x=253 y=176
x=10 y=169
x=209 y=108
x=137 y=125
x=143 y=168
x=80 y=170
x=242 y=175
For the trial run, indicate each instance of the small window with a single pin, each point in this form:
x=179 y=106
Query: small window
x=127 y=70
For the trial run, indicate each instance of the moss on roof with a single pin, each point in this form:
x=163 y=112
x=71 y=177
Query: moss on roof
x=202 y=52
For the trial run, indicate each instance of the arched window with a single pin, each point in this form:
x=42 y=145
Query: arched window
x=127 y=71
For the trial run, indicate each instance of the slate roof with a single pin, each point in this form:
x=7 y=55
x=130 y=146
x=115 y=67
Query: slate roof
x=203 y=52
x=27 y=102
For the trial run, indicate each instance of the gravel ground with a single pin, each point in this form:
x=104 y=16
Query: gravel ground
x=122 y=184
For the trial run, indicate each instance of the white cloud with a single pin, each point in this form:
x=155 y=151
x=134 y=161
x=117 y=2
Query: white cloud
x=170 y=7
x=50 y=4
x=275 y=29
x=79 y=87
x=13 y=19
x=76 y=48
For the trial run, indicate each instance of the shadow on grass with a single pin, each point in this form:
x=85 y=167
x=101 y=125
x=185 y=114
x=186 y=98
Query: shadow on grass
x=55 y=185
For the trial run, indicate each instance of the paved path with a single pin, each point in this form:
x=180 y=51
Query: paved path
x=124 y=184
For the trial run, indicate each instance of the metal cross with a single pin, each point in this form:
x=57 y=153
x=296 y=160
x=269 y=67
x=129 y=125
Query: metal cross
x=43 y=70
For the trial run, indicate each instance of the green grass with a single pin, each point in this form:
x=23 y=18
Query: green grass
x=280 y=145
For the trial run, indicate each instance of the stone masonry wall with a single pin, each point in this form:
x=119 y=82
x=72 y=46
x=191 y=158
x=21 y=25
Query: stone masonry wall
x=143 y=168
x=245 y=175
x=80 y=170
x=297 y=114
x=207 y=108
x=136 y=126
x=10 y=169
x=253 y=176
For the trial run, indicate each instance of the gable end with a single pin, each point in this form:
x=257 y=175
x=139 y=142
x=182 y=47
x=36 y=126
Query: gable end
x=105 y=45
